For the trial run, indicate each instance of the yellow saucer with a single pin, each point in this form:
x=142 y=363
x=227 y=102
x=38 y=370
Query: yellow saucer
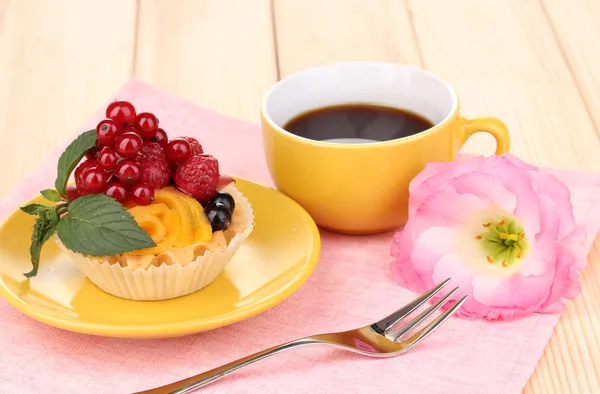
x=277 y=258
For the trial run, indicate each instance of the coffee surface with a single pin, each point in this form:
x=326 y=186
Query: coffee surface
x=356 y=122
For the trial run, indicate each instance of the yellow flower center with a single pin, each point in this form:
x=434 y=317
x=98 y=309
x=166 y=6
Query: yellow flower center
x=503 y=241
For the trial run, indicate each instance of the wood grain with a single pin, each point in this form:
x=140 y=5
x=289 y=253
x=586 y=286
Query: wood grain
x=59 y=61
x=216 y=53
x=578 y=33
x=505 y=60
x=534 y=64
x=509 y=63
x=310 y=33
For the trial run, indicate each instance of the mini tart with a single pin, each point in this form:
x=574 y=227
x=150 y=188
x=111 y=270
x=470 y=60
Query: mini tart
x=172 y=273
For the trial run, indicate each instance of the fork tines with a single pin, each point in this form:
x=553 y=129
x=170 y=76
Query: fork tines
x=385 y=325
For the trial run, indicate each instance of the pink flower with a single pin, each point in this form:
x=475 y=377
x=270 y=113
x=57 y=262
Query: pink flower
x=502 y=230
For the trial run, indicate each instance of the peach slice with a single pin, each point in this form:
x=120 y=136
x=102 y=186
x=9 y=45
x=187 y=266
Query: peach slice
x=156 y=209
x=202 y=226
x=173 y=220
x=172 y=198
x=153 y=226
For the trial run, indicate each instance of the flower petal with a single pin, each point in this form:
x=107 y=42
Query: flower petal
x=519 y=183
x=570 y=261
x=538 y=262
x=435 y=177
x=402 y=268
x=560 y=196
x=448 y=205
x=446 y=209
x=512 y=292
x=452 y=266
x=486 y=187
x=431 y=246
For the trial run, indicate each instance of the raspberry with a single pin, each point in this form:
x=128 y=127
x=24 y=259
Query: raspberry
x=196 y=147
x=152 y=150
x=198 y=177
x=81 y=189
x=154 y=166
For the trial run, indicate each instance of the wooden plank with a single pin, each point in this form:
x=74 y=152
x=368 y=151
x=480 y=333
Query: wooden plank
x=578 y=33
x=218 y=54
x=505 y=62
x=504 y=59
x=58 y=64
x=313 y=32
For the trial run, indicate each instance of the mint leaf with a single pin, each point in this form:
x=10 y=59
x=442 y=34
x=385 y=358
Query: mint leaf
x=51 y=195
x=44 y=227
x=34 y=209
x=71 y=156
x=98 y=225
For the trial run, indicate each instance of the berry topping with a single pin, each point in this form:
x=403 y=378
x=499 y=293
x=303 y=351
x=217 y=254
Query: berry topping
x=106 y=131
x=92 y=154
x=179 y=150
x=121 y=112
x=128 y=145
x=225 y=199
x=142 y=194
x=94 y=179
x=116 y=191
x=128 y=171
x=131 y=129
x=72 y=192
x=147 y=124
x=160 y=137
x=81 y=189
x=218 y=215
x=107 y=159
x=198 y=177
x=224 y=180
x=196 y=147
x=154 y=166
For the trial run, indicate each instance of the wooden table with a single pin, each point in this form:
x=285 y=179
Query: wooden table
x=534 y=64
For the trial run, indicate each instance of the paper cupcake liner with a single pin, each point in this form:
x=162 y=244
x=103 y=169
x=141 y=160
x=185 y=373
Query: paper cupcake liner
x=166 y=281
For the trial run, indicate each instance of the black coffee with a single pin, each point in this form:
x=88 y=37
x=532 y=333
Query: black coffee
x=345 y=123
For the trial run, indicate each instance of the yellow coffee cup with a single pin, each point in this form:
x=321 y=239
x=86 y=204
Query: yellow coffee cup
x=362 y=187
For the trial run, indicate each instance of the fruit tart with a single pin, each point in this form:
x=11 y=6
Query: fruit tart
x=146 y=218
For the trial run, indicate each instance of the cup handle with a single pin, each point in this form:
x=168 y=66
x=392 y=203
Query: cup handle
x=488 y=125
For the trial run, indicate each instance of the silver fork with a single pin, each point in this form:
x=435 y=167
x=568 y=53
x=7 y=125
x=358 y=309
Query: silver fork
x=379 y=339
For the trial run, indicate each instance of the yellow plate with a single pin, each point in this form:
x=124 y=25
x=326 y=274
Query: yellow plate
x=277 y=258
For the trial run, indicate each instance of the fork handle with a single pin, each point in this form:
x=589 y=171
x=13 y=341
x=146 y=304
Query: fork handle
x=192 y=383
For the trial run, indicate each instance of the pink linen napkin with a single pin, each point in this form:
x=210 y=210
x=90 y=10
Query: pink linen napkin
x=351 y=286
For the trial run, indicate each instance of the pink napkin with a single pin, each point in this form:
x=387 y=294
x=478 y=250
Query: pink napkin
x=351 y=287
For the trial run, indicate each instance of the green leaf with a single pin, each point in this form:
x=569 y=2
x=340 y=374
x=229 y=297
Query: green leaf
x=35 y=209
x=44 y=227
x=98 y=225
x=71 y=156
x=51 y=195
